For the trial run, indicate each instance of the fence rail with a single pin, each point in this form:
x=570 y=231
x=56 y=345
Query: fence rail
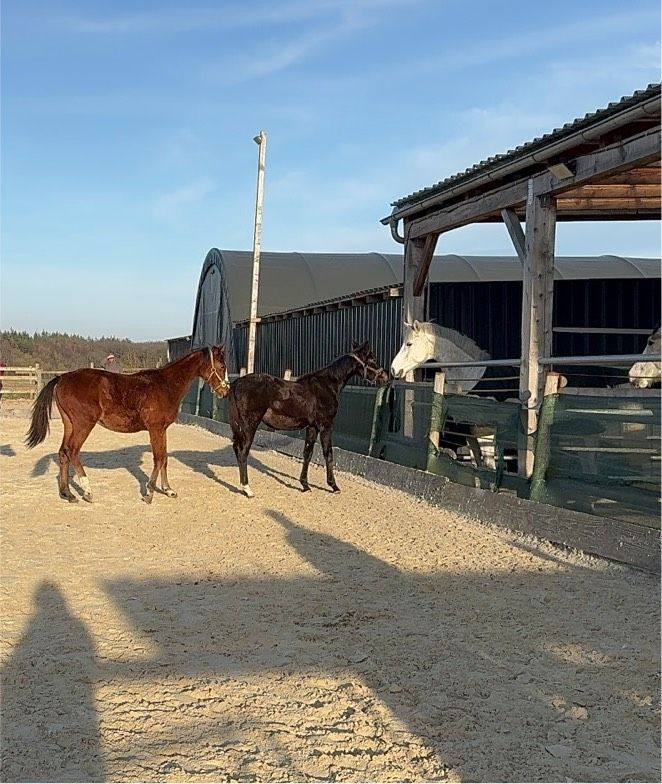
x=28 y=381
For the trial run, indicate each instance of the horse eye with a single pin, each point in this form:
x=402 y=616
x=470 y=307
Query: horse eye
x=408 y=344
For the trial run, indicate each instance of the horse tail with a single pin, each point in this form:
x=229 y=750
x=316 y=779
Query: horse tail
x=41 y=413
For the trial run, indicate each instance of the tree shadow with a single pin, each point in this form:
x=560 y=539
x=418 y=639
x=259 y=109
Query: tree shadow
x=50 y=728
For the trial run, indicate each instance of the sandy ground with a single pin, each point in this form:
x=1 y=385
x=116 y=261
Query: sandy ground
x=355 y=637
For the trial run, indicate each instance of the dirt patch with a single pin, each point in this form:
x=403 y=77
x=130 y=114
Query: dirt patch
x=360 y=636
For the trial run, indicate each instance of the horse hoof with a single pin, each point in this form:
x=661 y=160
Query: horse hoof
x=170 y=493
x=147 y=499
x=335 y=489
x=305 y=489
x=70 y=498
x=87 y=497
x=249 y=493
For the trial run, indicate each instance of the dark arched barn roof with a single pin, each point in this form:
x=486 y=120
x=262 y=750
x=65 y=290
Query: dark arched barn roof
x=289 y=281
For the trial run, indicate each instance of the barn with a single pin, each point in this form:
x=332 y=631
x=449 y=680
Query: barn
x=587 y=455
x=604 y=305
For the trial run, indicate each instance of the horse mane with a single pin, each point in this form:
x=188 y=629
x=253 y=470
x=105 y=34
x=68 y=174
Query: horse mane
x=463 y=342
x=172 y=362
x=334 y=369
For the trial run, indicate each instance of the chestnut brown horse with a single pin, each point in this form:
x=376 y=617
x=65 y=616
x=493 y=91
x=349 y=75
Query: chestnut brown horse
x=146 y=400
x=309 y=402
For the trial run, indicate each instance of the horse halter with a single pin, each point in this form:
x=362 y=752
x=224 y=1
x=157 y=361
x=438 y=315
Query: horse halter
x=222 y=385
x=367 y=369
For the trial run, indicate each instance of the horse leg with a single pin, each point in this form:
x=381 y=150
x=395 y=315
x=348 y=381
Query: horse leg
x=474 y=448
x=327 y=449
x=157 y=440
x=311 y=437
x=63 y=455
x=76 y=442
x=241 y=443
x=165 y=485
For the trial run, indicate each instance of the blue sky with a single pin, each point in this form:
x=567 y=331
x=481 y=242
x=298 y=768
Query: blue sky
x=127 y=133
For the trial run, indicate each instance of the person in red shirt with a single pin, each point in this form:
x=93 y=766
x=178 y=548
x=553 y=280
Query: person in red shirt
x=111 y=364
x=3 y=365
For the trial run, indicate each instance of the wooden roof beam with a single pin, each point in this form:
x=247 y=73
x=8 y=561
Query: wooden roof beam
x=619 y=204
x=615 y=191
x=634 y=153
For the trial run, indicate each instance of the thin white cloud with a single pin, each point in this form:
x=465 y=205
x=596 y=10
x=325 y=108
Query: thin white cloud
x=173 y=204
x=189 y=18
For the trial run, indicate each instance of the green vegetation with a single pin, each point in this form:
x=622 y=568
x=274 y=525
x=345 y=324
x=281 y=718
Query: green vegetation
x=60 y=351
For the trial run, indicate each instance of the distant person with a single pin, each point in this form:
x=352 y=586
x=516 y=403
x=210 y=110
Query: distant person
x=3 y=365
x=111 y=364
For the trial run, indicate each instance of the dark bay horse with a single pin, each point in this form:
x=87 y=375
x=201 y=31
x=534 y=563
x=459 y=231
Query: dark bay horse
x=146 y=400
x=309 y=402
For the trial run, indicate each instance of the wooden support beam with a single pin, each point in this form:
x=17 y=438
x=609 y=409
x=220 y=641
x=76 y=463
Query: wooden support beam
x=641 y=150
x=537 y=303
x=471 y=210
x=622 y=205
x=414 y=304
x=516 y=232
x=425 y=259
x=609 y=190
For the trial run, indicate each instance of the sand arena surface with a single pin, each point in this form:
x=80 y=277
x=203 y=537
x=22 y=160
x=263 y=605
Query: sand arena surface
x=352 y=637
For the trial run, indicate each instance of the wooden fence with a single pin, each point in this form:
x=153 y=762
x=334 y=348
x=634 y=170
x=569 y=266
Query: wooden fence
x=27 y=382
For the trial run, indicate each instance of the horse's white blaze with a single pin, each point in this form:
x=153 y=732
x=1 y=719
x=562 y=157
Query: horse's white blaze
x=644 y=374
x=425 y=341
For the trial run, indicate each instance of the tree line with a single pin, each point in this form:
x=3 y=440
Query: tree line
x=61 y=351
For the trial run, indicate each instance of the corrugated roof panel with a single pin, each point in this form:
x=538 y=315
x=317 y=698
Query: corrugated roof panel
x=528 y=147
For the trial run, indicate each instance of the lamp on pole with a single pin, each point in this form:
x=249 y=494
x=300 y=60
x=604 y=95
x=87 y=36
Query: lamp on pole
x=261 y=141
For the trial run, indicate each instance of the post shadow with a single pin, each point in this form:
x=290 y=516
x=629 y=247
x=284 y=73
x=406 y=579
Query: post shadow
x=50 y=728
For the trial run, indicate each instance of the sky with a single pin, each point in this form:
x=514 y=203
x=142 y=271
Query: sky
x=127 y=134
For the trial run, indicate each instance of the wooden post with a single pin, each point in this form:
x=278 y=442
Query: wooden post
x=287 y=375
x=38 y=379
x=553 y=383
x=242 y=371
x=436 y=418
x=537 y=302
x=261 y=141
x=418 y=257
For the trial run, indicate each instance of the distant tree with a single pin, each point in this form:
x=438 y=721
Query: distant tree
x=61 y=351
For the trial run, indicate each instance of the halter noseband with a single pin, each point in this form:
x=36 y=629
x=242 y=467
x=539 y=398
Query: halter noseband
x=222 y=385
x=366 y=369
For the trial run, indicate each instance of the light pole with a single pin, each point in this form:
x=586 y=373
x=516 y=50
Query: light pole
x=261 y=141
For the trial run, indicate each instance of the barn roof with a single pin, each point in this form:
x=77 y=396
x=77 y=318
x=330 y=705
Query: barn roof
x=289 y=281
x=619 y=114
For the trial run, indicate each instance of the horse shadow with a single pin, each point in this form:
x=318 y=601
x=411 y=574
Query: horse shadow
x=206 y=462
x=7 y=450
x=126 y=458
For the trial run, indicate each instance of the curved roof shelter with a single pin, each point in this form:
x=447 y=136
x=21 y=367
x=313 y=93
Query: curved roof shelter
x=291 y=281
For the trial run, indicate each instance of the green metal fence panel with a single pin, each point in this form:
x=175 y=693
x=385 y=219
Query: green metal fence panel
x=498 y=422
x=354 y=424
x=600 y=455
x=403 y=425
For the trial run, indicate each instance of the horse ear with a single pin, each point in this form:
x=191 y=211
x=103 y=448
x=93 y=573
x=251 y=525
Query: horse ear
x=417 y=325
x=355 y=345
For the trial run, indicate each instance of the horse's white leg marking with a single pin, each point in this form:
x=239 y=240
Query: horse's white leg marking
x=85 y=484
x=248 y=491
